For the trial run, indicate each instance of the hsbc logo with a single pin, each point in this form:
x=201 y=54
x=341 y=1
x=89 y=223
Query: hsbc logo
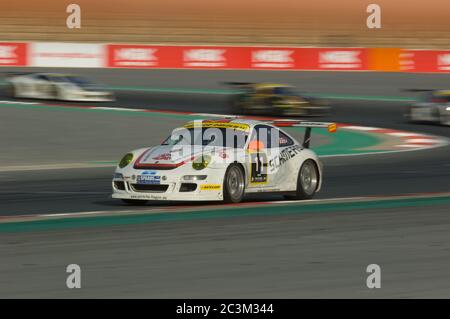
x=204 y=57
x=137 y=57
x=136 y=54
x=340 y=59
x=444 y=61
x=272 y=58
x=8 y=52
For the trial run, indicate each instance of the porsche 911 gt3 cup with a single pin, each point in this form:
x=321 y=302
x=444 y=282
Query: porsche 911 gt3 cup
x=225 y=159
x=64 y=87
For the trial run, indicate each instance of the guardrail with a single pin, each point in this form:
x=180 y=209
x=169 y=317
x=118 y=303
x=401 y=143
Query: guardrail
x=63 y=54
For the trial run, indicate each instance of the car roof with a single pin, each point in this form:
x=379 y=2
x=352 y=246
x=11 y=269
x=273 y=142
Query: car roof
x=442 y=92
x=55 y=74
x=248 y=122
x=271 y=85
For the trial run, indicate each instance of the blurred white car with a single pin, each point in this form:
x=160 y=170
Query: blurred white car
x=64 y=87
x=434 y=107
x=210 y=160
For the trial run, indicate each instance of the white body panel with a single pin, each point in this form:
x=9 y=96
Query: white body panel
x=34 y=87
x=282 y=168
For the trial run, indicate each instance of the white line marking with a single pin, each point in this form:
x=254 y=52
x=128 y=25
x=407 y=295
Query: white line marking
x=405 y=134
x=51 y=166
x=68 y=193
x=116 y=109
x=361 y=128
x=419 y=140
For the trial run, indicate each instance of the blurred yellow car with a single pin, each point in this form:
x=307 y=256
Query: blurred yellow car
x=274 y=99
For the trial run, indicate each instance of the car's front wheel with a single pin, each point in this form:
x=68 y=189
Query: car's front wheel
x=135 y=202
x=234 y=184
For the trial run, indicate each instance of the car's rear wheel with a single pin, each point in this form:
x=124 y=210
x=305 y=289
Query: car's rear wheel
x=234 y=184
x=307 y=181
x=135 y=202
x=56 y=93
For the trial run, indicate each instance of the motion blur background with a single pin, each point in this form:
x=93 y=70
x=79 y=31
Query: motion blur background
x=405 y=23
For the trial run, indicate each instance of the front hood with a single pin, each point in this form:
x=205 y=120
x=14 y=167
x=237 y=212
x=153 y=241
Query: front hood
x=172 y=156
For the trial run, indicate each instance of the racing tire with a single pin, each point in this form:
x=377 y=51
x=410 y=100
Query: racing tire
x=307 y=181
x=443 y=119
x=11 y=91
x=55 y=92
x=234 y=184
x=135 y=202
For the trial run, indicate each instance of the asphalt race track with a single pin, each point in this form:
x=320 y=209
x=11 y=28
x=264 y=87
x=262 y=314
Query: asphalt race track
x=303 y=255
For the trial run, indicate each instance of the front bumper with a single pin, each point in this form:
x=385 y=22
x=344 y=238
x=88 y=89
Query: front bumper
x=172 y=188
x=90 y=97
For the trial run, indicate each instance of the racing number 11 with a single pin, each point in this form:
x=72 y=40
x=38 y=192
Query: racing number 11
x=258 y=172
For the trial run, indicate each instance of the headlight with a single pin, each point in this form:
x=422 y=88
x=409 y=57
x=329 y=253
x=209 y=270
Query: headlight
x=194 y=177
x=201 y=162
x=126 y=160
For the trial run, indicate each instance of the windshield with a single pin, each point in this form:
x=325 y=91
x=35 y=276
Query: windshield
x=436 y=98
x=79 y=81
x=283 y=90
x=211 y=136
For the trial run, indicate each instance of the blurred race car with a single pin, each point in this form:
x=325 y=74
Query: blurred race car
x=274 y=99
x=63 y=87
x=224 y=159
x=434 y=106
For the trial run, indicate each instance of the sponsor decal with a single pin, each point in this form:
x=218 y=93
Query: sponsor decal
x=133 y=56
x=424 y=61
x=340 y=59
x=210 y=187
x=210 y=57
x=443 y=60
x=148 y=177
x=218 y=124
x=149 y=196
x=54 y=54
x=163 y=157
x=13 y=54
x=284 y=156
x=258 y=168
x=272 y=58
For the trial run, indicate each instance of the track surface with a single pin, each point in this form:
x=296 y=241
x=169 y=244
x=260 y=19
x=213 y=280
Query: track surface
x=258 y=257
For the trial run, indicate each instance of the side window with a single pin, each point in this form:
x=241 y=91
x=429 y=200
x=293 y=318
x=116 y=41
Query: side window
x=265 y=91
x=284 y=140
x=268 y=135
x=43 y=78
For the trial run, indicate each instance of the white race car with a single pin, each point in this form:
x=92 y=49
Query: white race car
x=434 y=107
x=64 y=87
x=209 y=160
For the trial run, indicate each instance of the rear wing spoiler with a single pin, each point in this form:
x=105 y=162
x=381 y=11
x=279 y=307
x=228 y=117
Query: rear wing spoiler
x=331 y=127
x=9 y=74
x=238 y=83
x=418 y=90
